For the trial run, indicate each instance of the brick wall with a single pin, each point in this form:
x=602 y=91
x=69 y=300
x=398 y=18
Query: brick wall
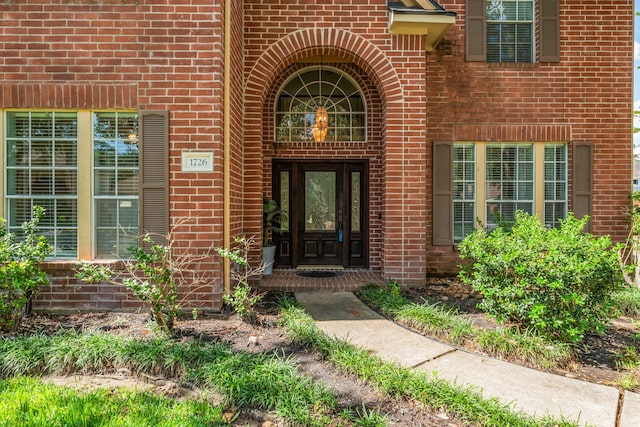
x=158 y=54
x=155 y=54
x=587 y=96
x=393 y=66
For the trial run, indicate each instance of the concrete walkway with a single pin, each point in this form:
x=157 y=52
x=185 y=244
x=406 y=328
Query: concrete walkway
x=344 y=316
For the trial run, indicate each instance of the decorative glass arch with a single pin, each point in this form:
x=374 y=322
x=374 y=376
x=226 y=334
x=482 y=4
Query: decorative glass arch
x=320 y=104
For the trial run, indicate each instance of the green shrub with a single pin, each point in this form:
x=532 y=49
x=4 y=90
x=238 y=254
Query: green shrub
x=20 y=272
x=558 y=282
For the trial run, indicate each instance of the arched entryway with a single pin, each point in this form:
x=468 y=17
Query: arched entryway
x=326 y=183
x=323 y=192
x=389 y=217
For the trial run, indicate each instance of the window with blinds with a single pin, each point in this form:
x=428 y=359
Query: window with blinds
x=555 y=184
x=507 y=176
x=509 y=185
x=65 y=160
x=42 y=169
x=464 y=190
x=509 y=26
x=115 y=182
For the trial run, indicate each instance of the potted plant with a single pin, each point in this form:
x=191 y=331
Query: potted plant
x=271 y=220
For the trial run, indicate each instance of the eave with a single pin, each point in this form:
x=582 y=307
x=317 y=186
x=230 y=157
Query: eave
x=433 y=23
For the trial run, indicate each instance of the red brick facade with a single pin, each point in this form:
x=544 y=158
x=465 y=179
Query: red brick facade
x=160 y=55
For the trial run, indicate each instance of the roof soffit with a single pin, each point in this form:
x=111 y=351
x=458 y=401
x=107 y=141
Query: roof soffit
x=420 y=17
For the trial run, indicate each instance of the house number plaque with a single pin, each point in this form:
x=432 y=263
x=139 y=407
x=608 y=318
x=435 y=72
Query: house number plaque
x=197 y=161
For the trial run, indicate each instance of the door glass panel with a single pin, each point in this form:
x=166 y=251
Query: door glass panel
x=355 y=202
x=284 y=200
x=320 y=201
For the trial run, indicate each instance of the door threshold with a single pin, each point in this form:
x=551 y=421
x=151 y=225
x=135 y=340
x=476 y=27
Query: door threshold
x=319 y=267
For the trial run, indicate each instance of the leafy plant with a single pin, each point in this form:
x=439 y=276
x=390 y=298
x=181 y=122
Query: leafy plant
x=20 y=272
x=558 y=282
x=628 y=301
x=628 y=362
x=243 y=298
x=244 y=380
x=152 y=275
x=272 y=217
x=363 y=417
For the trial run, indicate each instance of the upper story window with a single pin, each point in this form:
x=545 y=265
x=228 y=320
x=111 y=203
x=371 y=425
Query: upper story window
x=320 y=104
x=512 y=31
x=509 y=31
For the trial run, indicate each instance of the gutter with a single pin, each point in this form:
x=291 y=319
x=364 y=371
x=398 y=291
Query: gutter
x=227 y=146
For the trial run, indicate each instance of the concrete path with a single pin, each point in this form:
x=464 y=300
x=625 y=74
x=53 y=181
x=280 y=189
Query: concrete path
x=343 y=315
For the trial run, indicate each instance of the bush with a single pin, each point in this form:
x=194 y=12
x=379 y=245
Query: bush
x=150 y=276
x=20 y=272
x=558 y=282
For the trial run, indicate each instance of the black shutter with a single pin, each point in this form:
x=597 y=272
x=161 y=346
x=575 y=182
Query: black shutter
x=442 y=193
x=550 y=31
x=154 y=174
x=475 y=30
x=582 y=180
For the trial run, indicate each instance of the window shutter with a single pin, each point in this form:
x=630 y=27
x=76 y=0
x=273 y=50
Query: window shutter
x=154 y=174
x=582 y=180
x=550 y=31
x=476 y=31
x=442 y=193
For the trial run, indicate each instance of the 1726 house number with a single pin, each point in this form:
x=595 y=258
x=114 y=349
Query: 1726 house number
x=196 y=161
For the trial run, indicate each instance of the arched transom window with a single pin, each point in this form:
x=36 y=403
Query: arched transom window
x=320 y=104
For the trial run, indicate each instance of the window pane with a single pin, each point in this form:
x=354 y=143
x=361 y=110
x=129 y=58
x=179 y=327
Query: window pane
x=105 y=214
x=127 y=184
x=509 y=182
x=525 y=10
x=41 y=169
x=300 y=98
x=555 y=184
x=115 y=182
x=66 y=126
x=106 y=242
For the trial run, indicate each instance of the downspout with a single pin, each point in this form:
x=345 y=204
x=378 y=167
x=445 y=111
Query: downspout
x=226 y=126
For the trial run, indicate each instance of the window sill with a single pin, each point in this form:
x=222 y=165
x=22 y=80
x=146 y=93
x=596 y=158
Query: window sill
x=513 y=65
x=73 y=264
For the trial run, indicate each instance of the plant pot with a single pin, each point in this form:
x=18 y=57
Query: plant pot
x=268 y=256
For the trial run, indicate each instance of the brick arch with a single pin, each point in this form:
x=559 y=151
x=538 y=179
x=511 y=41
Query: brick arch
x=306 y=42
x=354 y=48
